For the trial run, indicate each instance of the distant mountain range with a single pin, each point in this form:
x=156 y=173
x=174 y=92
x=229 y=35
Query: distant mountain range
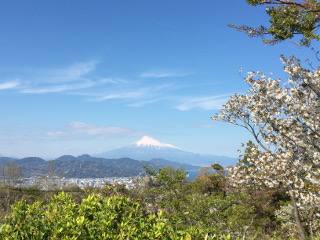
x=86 y=166
x=83 y=166
x=148 y=148
x=122 y=162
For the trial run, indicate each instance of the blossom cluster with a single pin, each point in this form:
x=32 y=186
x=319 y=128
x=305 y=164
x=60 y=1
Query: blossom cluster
x=284 y=118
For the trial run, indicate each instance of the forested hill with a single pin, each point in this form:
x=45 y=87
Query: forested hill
x=85 y=166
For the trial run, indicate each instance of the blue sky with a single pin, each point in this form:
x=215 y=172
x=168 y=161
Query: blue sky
x=90 y=76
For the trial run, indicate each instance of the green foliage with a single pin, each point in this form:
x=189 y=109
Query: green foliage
x=164 y=205
x=204 y=204
x=211 y=179
x=287 y=19
x=169 y=192
x=109 y=190
x=9 y=195
x=95 y=218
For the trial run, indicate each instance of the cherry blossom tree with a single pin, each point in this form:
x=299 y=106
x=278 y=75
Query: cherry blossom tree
x=284 y=118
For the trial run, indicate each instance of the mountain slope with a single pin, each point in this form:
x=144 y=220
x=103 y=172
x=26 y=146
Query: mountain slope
x=148 y=148
x=165 y=163
x=84 y=166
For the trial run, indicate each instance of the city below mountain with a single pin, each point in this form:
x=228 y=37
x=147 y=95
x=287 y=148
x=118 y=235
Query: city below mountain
x=120 y=162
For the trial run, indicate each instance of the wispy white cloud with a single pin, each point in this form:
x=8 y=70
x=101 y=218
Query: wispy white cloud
x=124 y=95
x=8 y=85
x=163 y=86
x=55 y=133
x=59 y=88
x=81 y=79
x=204 y=103
x=113 y=80
x=144 y=93
x=72 y=77
x=142 y=103
x=163 y=74
x=207 y=126
x=76 y=129
x=213 y=125
x=73 y=72
x=105 y=131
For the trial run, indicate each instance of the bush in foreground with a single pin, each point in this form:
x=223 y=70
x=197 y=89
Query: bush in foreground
x=94 y=218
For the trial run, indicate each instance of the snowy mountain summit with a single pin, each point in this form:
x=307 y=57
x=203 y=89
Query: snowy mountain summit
x=147 y=141
x=148 y=148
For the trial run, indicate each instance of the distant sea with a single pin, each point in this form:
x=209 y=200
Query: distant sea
x=192 y=174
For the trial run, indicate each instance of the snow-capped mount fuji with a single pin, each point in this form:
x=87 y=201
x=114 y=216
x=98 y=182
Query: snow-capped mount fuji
x=149 y=142
x=148 y=148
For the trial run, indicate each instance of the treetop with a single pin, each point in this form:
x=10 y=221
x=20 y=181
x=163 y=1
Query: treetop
x=287 y=19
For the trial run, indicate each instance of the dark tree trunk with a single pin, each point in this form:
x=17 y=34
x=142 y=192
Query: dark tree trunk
x=297 y=217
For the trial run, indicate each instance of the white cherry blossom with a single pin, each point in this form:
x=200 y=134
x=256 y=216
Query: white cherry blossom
x=284 y=118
